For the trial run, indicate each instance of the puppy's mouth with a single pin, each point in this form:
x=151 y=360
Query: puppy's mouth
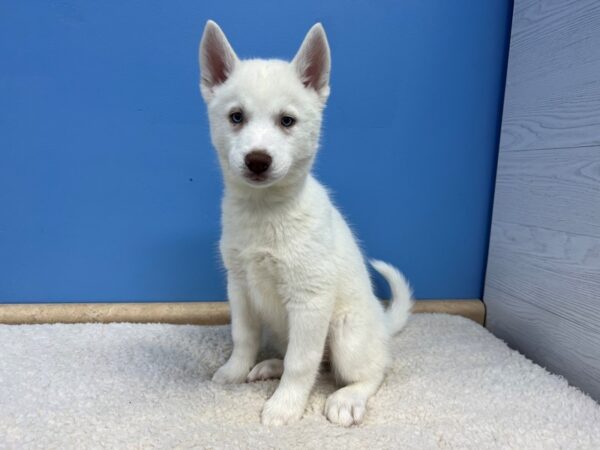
x=253 y=179
x=257 y=178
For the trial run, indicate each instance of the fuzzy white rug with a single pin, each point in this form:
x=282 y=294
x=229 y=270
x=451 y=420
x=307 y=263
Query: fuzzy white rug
x=452 y=385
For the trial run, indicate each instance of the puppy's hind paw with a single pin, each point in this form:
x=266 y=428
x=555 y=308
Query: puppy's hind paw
x=265 y=370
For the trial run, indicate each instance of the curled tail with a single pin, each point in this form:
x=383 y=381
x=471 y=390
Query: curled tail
x=401 y=302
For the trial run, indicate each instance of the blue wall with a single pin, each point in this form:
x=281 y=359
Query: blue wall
x=109 y=189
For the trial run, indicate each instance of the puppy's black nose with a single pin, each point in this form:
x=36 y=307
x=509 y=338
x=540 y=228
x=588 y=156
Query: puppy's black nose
x=258 y=161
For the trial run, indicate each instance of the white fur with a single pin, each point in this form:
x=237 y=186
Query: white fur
x=295 y=271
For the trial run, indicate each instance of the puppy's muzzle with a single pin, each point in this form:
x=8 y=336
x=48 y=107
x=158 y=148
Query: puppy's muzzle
x=258 y=161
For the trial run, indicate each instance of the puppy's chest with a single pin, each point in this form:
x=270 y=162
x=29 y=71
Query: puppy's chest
x=260 y=265
x=274 y=256
x=255 y=255
x=273 y=259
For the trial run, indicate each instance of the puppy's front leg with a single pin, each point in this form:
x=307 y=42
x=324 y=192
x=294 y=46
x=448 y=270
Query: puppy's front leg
x=245 y=331
x=308 y=322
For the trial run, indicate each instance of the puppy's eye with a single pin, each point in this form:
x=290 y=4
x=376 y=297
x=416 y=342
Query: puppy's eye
x=236 y=117
x=287 y=121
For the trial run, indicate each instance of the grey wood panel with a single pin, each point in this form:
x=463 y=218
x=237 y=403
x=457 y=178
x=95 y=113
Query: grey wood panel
x=542 y=289
x=553 y=85
x=552 y=188
x=559 y=345
x=553 y=270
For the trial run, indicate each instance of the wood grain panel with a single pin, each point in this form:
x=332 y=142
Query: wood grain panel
x=542 y=289
x=553 y=270
x=552 y=96
x=553 y=188
x=563 y=347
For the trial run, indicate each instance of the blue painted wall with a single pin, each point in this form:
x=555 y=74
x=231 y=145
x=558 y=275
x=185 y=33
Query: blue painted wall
x=109 y=189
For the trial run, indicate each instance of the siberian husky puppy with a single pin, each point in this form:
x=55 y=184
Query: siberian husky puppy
x=293 y=266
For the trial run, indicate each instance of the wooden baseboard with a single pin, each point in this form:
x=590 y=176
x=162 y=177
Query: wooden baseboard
x=196 y=313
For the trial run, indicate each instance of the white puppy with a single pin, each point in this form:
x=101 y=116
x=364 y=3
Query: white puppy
x=294 y=268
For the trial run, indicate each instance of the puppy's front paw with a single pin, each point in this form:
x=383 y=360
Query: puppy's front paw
x=278 y=412
x=345 y=409
x=231 y=373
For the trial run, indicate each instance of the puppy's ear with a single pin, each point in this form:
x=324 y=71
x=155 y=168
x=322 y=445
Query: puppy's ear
x=313 y=61
x=217 y=59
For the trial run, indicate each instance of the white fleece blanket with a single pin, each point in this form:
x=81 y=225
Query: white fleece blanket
x=452 y=385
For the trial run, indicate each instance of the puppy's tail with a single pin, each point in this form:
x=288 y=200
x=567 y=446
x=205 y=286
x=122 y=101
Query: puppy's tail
x=401 y=302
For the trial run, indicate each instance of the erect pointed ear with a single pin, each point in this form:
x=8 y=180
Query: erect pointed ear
x=313 y=61
x=217 y=59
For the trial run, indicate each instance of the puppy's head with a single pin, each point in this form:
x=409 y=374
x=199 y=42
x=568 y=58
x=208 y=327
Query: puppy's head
x=265 y=115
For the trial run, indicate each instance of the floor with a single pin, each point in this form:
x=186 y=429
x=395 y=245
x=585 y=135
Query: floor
x=452 y=385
